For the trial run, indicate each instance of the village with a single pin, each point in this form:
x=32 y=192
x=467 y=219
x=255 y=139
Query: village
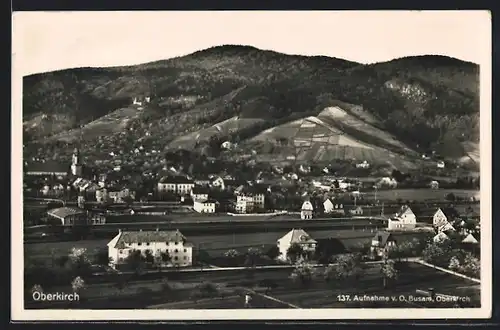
x=218 y=221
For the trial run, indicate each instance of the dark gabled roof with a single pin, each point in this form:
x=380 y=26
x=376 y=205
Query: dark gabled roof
x=128 y=237
x=64 y=212
x=200 y=190
x=48 y=167
x=383 y=237
x=209 y=200
x=179 y=179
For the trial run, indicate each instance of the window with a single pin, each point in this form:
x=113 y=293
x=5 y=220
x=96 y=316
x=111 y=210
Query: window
x=120 y=259
x=147 y=243
x=139 y=243
x=129 y=252
x=176 y=258
x=185 y=258
x=120 y=251
x=185 y=250
x=176 y=251
x=176 y=243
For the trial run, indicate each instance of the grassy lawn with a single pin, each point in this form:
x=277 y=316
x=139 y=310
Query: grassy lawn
x=215 y=245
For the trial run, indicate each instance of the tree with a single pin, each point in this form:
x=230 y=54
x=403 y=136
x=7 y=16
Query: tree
x=232 y=253
x=345 y=267
x=149 y=257
x=438 y=254
x=273 y=252
x=294 y=252
x=388 y=270
x=79 y=261
x=472 y=265
x=455 y=264
x=78 y=284
x=135 y=260
x=102 y=258
x=303 y=272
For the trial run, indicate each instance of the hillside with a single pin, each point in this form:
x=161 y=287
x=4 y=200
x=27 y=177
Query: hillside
x=398 y=108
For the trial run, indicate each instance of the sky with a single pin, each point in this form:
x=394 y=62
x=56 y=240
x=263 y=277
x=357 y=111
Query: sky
x=47 y=41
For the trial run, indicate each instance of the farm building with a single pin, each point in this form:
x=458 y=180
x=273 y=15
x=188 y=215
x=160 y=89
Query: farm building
x=328 y=206
x=295 y=236
x=159 y=243
x=68 y=216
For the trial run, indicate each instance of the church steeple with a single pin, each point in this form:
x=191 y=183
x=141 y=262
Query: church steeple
x=76 y=166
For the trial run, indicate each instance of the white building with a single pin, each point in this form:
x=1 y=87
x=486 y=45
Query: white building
x=204 y=205
x=200 y=193
x=247 y=203
x=440 y=237
x=219 y=183
x=440 y=164
x=226 y=145
x=328 y=206
x=306 y=211
x=364 y=164
x=157 y=242
x=405 y=219
x=175 y=184
x=298 y=236
x=442 y=219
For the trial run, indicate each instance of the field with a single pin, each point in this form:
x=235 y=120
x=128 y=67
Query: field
x=420 y=194
x=285 y=293
x=321 y=294
x=214 y=244
x=113 y=122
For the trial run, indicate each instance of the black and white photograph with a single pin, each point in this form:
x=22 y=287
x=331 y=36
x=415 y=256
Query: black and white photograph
x=239 y=164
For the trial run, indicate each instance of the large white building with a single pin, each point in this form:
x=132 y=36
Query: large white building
x=157 y=242
x=246 y=203
x=306 y=211
x=298 y=236
x=175 y=184
x=204 y=205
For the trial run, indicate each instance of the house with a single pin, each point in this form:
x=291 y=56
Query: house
x=120 y=195
x=244 y=204
x=355 y=211
x=204 y=205
x=101 y=195
x=470 y=239
x=295 y=236
x=202 y=182
x=200 y=193
x=56 y=190
x=226 y=145
x=97 y=218
x=177 y=184
x=138 y=100
x=434 y=184
x=306 y=212
x=443 y=218
x=405 y=219
x=157 y=242
x=440 y=164
x=68 y=216
x=381 y=243
x=364 y=164
x=440 y=237
x=386 y=182
x=328 y=206
x=47 y=168
x=249 y=199
x=219 y=183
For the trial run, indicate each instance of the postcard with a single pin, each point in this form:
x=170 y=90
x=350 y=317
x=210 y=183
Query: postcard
x=221 y=165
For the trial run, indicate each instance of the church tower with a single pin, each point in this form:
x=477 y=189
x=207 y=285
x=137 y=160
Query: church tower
x=76 y=166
